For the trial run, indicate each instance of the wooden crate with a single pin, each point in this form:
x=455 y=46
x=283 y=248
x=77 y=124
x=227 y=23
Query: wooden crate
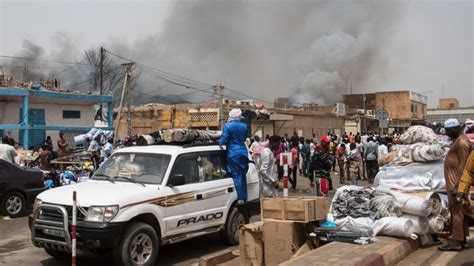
x=298 y=209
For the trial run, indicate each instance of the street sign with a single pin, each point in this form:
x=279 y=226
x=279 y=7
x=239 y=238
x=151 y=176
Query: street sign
x=383 y=123
x=381 y=114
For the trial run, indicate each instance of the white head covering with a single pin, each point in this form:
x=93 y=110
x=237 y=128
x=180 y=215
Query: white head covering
x=235 y=114
x=452 y=122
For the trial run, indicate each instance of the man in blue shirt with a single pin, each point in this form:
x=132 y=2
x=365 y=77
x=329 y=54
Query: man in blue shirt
x=233 y=136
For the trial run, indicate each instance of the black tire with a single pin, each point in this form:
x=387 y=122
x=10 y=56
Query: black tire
x=59 y=255
x=236 y=218
x=13 y=204
x=133 y=235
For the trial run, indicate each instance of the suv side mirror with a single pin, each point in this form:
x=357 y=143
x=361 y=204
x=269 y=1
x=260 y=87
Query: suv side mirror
x=176 y=180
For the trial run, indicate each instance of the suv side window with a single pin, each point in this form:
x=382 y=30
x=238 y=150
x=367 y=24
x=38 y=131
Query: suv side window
x=201 y=166
x=211 y=166
x=187 y=166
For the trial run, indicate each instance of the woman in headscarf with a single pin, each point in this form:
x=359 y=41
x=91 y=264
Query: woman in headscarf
x=233 y=136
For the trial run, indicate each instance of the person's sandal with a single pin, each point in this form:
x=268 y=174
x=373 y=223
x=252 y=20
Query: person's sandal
x=449 y=247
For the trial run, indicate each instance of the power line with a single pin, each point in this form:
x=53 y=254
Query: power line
x=30 y=66
x=43 y=60
x=169 y=77
x=90 y=79
x=248 y=96
x=162 y=72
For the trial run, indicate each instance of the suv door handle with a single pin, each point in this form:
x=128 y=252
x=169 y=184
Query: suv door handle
x=199 y=197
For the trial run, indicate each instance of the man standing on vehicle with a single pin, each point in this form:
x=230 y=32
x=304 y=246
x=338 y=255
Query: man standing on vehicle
x=7 y=152
x=268 y=179
x=233 y=136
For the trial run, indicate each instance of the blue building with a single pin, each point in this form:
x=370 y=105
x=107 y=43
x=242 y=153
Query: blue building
x=29 y=116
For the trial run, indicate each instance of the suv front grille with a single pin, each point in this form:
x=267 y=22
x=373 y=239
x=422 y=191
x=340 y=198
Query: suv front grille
x=56 y=215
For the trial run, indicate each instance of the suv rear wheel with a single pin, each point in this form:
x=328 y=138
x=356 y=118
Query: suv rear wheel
x=230 y=234
x=139 y=245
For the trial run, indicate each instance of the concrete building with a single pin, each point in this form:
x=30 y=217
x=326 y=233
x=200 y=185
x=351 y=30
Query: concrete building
x=282 y=103
x=30 y=115
x=441 y=115
x=261 y=121
x=448 y=103
x=405 y=108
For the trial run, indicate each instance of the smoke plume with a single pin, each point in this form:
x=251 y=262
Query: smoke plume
x=310 y=51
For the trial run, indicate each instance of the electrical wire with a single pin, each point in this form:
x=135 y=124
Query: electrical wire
x=90 y=79
x=160 y=71
x=43 y=60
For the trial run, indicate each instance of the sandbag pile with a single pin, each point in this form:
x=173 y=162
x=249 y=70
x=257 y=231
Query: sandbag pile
x=416 y=134
x=352 y=201
x=420 y=144
x=188 y=135
x=387 y=212
x=418 y=164
x=102 y=136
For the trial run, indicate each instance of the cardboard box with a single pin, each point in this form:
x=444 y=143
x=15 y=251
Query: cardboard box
x=282 y=239
x=272 y=208
x=300 y=209
x=251 y=244
x=322 y=208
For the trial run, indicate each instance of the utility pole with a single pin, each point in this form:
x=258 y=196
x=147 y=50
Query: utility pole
x=129 y=108
x=365 y=113
x=101 y=77
x=220 y=94
x=128 y=74
x=383 y=108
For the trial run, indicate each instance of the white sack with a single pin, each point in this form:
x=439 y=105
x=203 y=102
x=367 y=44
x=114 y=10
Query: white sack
x=415 y=176
x=394 y=226
x=349 y=221
x=411 y=204
x=416 y=134
x=385 y=205
x=421 y=152
x=420 y=224
x=436 y=224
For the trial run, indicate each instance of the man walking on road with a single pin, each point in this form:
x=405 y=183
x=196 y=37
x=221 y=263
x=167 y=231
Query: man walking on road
x=454 y=164
x=268 y=179
x=321 y=166
x=233 y=136
x=371 y=157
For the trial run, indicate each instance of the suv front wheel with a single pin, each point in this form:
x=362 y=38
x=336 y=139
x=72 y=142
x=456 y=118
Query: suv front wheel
x=139 y=245
x=230 y=234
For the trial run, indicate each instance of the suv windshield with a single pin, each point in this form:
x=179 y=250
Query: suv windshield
x=134 y=167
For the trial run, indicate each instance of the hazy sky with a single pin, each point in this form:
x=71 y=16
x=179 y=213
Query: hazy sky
x=428 y=47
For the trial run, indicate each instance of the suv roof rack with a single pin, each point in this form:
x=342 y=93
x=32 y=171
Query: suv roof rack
x=188 y=144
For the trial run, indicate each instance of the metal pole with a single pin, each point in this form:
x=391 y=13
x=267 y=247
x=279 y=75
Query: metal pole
x=25 y=122
x=74 y=221
x=220 y=104
x=129 y=110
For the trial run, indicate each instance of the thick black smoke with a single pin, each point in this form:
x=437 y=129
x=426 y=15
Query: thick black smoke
x=311 y=51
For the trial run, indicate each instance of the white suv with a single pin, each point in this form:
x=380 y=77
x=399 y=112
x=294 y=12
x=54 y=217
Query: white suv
x=144 y=197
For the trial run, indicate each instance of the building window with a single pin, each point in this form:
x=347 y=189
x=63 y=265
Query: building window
x=68 y=114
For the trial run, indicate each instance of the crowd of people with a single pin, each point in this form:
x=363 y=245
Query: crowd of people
x=355 y=156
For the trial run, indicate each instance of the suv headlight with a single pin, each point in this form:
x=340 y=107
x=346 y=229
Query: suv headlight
x=101 y=214
x=36 y=204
